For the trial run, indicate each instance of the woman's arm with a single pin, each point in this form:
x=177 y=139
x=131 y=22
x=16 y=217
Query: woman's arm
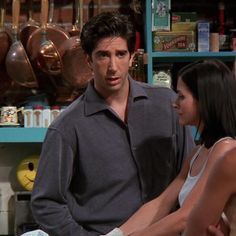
x=175 y=223
x=160 y=206
x=153 y=210
x=220 y=186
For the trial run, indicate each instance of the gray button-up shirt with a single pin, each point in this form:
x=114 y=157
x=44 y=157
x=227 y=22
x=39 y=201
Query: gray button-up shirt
x=95 y=170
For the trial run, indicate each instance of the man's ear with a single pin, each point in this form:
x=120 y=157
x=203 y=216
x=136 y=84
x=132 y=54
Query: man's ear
x=89 y=61
x=131 y=59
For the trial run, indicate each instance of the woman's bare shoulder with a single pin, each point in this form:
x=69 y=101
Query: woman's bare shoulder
x=228 y=160
x=222 y=147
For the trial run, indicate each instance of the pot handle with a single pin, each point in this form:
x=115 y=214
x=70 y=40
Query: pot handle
x=44 y=14
x=81 y=14
x=15 y=16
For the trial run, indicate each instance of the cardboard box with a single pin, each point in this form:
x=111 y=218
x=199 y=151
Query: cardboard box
x=184 y=26
x=161 y=15
x=180 y=17
x=184 y=21
x=174 y=41
x=203 y=31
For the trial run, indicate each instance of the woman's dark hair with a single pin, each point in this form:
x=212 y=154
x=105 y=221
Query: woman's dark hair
x=213 y=85
x=107 y=24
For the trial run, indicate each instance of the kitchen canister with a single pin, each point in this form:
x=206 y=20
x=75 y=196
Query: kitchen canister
x=28 y=116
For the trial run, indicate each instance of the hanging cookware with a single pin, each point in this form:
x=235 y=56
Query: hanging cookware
x=5 y=80
x=17 y=63
x=47 y=57
x=53 y=32
x=5 y=38
x=75 y=67
x=74 y=31
x=28 y=27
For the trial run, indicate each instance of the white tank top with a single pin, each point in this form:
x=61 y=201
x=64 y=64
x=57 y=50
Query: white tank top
x=192 y=180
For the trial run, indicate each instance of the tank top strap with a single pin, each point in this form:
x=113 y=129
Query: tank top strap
x=195 y=155
x=218 y=141
x=211 y=149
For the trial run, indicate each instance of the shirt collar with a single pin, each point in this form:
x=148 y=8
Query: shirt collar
x=95 y=103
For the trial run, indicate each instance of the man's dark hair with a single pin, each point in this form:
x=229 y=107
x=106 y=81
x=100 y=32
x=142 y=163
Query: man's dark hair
x=107 y=24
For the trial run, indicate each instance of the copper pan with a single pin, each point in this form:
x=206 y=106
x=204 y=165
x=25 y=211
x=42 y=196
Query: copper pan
x=5 y=38
x=5 y=81
x=28 y=27
x=75 y=67
x=15 y=94
x=48 y=58
x=17 y=63
x=54 y=33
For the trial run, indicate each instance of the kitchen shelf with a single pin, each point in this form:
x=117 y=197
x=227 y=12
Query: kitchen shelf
x=191 y=56
x=156 y=57
x=22 y=135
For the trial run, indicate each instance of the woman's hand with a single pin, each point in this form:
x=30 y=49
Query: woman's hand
x=221 y=229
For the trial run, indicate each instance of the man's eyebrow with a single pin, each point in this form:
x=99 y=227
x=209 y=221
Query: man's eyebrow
x=101 y=51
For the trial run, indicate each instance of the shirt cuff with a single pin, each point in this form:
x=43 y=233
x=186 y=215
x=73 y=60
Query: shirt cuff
x=115 y=232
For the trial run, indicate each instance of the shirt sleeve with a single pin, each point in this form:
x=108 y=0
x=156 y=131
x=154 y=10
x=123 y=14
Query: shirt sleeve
x=49 y=196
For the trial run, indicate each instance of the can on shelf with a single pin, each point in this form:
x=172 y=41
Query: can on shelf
x=233 y=39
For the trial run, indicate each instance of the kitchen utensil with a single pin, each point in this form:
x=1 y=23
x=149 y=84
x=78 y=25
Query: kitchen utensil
x=47 y=58
x=75 y=68
x=17 y=63
x=28 y=27
x=74 y=31
x=53 y=32
x=5 y=38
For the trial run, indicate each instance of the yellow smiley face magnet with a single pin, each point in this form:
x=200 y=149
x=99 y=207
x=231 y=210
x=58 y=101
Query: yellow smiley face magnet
x=26 y=171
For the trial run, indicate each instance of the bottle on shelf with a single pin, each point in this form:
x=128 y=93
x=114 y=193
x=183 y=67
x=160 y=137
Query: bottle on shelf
x=137 y=69
x=221 y=17
x=224 y=38
x=214 y=37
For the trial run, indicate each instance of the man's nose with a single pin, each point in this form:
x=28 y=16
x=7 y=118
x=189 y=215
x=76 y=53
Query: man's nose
x=113 y=64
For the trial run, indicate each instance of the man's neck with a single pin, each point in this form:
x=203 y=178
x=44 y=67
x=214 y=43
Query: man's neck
x=118 y=102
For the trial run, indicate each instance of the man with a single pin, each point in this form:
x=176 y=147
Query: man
x=116 y=147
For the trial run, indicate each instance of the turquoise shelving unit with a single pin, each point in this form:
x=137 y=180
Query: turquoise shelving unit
x=22 y=135
x=174 y=56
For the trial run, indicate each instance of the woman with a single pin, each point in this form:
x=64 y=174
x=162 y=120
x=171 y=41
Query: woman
x=206 y=91
x=219 y=196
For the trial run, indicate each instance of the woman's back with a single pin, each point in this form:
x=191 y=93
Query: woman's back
x=230 y=212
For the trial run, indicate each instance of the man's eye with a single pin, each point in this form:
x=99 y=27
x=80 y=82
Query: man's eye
x=121 y=54
x=102 y=55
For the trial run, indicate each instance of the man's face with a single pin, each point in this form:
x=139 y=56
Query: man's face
x=110 y=63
